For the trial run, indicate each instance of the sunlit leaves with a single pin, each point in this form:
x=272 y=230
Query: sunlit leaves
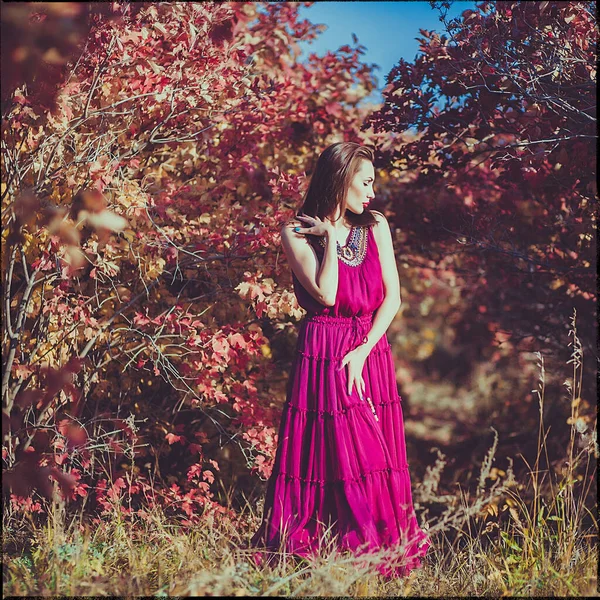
x=178 y=146
x=507 y=163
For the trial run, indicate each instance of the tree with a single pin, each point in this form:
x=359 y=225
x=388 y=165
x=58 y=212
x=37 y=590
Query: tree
x=491 y=133
x=142 y=215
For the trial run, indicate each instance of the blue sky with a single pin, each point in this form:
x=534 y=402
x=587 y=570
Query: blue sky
x=388 y=30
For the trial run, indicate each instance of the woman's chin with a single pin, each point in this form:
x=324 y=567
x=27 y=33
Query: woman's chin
x=357 y=211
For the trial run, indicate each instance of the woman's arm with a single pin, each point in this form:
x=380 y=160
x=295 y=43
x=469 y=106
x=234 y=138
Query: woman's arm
x=319 y=280
x=391 y=282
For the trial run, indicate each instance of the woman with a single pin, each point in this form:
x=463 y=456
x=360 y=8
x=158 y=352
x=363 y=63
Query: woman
x=340 y=465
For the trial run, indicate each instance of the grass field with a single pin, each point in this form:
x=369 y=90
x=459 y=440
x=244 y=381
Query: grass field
x=535 y=537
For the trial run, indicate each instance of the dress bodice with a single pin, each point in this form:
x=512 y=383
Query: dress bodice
x=360 y=287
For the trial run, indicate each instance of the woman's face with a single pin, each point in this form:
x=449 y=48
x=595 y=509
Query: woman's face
x=360 y=192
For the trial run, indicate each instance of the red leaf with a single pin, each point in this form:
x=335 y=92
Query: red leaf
x=66 y=481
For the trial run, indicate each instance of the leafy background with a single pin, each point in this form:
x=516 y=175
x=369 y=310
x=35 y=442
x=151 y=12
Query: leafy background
x=150 y=154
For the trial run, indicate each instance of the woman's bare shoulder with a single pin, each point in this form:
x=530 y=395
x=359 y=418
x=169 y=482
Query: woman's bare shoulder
x=379 y=217
x=380 y=225
x=296 y=239
x=291 y=223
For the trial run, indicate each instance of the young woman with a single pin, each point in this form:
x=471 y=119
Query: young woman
x=340 y=464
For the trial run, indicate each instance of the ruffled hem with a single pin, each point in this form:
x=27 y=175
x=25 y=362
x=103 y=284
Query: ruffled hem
x=374 y=352
x=361 y=477
x=395 y=561
x=345 y=443
x=342 y=411
x=368 y=514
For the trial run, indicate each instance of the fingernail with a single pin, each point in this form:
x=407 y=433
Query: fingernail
x=296 y=228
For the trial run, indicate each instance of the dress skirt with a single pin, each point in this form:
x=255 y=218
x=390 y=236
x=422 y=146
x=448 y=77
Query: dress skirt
x=337 y=468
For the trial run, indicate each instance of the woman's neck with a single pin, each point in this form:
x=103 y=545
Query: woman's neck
x=341 y=225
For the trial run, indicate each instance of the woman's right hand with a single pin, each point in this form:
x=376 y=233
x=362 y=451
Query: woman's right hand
x=314 y=226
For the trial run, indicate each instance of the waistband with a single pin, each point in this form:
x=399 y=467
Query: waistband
x=318 y=318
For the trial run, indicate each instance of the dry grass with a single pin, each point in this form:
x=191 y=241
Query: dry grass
x=506 y=538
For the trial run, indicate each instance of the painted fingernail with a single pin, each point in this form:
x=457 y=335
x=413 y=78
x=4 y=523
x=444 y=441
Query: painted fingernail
x=296 y=228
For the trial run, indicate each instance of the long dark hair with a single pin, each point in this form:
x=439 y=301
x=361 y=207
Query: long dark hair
x=328 y=187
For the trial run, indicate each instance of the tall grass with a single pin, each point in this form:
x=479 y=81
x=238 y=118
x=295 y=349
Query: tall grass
x=504 y=538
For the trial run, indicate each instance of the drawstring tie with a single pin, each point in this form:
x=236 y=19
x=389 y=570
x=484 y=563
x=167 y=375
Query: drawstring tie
x=356 y=322
x=356 y=343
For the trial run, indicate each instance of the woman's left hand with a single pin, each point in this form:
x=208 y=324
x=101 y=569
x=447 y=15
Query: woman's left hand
x=355 y=359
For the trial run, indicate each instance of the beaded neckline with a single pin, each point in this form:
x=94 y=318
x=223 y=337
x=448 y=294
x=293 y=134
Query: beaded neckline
x=353 y=253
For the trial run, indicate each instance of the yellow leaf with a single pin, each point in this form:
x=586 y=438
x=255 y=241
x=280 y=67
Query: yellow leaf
x=514 y=514
x=106 y=220
x=129 y=235
x=428 y=334
x=160 y=28
x=155 y=267
x=425 y=350
x=154 y=66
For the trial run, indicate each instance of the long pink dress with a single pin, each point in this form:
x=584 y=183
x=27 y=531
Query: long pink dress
x=335 y=463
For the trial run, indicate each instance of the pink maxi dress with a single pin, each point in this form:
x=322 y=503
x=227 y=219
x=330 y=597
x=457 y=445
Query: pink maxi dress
x=336 y=466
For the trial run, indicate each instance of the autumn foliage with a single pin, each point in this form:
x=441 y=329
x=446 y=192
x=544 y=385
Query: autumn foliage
x=141 y=216
x=497 y=182
x=148 y=311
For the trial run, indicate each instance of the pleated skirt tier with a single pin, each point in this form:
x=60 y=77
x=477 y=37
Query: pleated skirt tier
x=339 y=471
